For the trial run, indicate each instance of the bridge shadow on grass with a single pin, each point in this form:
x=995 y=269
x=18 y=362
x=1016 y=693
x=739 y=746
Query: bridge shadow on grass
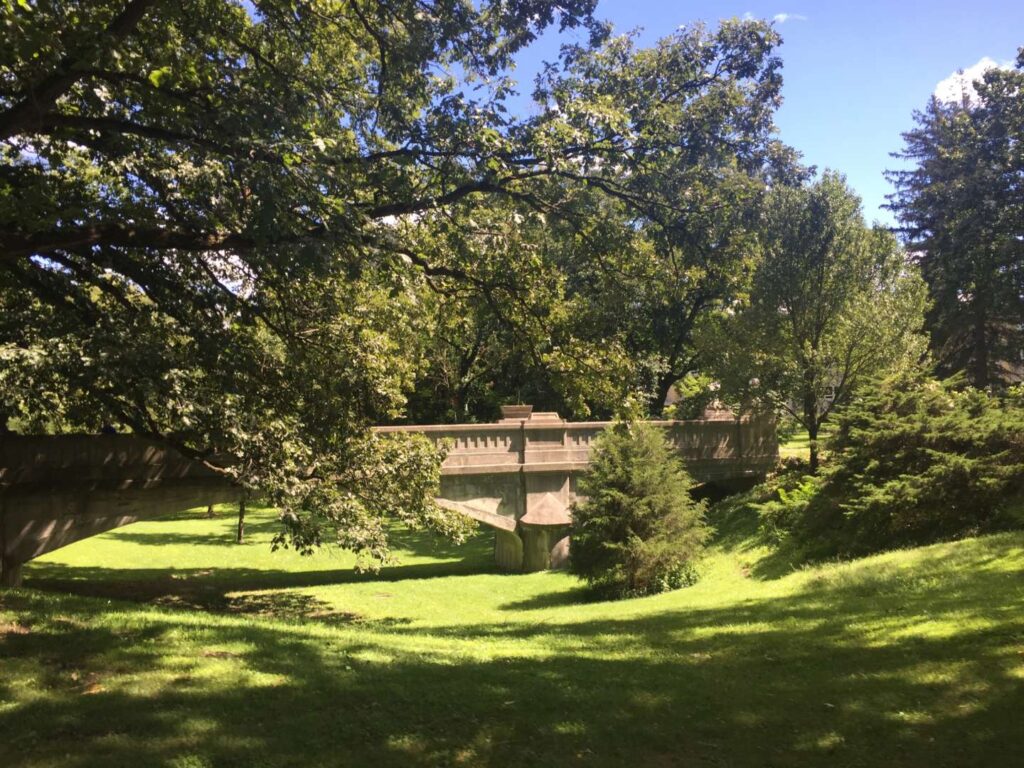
x=210 y=588
x=830 y=676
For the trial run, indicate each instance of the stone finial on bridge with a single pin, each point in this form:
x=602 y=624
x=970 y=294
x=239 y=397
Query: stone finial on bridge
x=520 y=413
x=516 y=412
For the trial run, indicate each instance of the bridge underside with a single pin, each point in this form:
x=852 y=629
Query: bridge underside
x=36 y=522
x=55 y=490
x=517 y=476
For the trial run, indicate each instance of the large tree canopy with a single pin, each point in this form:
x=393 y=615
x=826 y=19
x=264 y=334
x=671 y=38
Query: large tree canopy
x=833 y=304
x=633 y=241
x=962 y=209
x=196 y=226
x=232 y=226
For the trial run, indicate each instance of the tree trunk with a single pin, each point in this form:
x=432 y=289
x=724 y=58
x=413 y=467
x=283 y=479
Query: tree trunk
x=241 y=521
x=657 y=403
x=812 y=432
x=10 y=572
x=979 y=365
x=811 y=421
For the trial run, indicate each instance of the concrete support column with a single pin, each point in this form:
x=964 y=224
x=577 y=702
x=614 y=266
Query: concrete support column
x=545 y=547
x=10 y=572
x=508 y=551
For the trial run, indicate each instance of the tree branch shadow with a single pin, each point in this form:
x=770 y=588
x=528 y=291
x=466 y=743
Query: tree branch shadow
x=780 y=681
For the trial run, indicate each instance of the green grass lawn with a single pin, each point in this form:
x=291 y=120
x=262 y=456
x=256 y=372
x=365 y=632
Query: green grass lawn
x=798 y=445
x=228 y=655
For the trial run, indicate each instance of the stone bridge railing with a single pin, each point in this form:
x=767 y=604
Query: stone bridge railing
x=57 y=489
x=519 y=475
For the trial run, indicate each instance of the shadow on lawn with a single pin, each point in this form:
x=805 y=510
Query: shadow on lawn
x=778 y=682
x=737 y=529
x=259 y=531
x=209 y=588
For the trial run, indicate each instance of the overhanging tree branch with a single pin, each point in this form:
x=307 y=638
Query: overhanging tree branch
x=41 y=96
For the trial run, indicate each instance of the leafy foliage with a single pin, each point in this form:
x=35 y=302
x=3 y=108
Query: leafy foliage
x=501 y=327
x=833 y=303
x=198 y=207
x=783 y=510
x=665 y=233
x=591 y=280
x=962 y=208
x=638 y=531
x=914 y=461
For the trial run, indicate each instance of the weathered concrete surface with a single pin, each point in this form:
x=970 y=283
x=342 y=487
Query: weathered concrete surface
x=519 y=475
x=55 y=490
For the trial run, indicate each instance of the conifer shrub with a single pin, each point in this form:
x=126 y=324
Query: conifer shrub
x=914 y=460
x=637 y=530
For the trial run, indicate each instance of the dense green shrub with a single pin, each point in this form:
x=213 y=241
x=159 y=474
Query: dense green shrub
x=793 y=494
x=914 y=461
x=638 y=531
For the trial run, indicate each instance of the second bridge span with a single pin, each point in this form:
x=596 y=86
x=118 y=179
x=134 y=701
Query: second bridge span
x=519 y=475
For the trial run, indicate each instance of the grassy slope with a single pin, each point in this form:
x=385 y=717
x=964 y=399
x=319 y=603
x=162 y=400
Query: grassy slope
x=243 y=657
x=798 y=445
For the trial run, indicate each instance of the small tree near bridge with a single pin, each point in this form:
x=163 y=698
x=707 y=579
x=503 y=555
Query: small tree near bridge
x=639 y=531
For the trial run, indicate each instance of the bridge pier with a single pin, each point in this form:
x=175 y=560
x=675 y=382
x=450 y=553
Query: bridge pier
x=532 y=548
x=508 y=551
x=545 y=547
x=10 y=572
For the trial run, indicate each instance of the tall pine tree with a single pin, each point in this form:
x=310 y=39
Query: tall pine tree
x=962 y=210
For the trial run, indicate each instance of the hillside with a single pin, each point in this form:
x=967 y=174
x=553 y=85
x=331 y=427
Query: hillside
x=233 y=655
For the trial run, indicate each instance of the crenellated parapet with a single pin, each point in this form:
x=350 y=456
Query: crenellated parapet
x=519 y=474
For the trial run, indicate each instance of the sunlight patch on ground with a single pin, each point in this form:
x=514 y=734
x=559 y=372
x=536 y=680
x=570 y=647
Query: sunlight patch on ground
x=914 y=654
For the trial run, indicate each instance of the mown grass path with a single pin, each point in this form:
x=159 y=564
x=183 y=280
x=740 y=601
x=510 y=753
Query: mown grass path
x=228 y=655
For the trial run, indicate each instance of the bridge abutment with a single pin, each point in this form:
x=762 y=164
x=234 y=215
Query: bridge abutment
x=545 y=548
x=10 y=572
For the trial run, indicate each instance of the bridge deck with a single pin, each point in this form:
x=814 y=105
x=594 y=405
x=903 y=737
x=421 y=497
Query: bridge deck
x=517 y=476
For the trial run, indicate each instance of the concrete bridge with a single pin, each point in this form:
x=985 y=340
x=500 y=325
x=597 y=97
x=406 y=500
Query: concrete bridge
x=55 y=490
x=517 y=475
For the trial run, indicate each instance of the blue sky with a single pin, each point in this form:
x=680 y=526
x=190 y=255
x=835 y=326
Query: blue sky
x=854 y=71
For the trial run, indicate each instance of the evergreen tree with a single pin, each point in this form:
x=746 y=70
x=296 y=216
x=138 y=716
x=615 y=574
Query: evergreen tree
x=639 y=530
x=917 y=460
x=962 y=210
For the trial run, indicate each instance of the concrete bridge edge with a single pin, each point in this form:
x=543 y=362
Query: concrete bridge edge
x=10 y=569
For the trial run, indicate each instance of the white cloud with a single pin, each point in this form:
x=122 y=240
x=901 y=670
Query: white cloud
x=960 y=84
x=782 y=18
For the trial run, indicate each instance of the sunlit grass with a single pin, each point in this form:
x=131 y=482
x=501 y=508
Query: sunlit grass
x=798 y=444
x=234 y=655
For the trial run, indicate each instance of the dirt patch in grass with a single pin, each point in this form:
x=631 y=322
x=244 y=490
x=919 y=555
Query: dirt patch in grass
x=287 y=605
x=13 y=628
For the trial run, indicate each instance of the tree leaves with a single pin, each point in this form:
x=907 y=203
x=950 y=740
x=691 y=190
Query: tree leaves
x=962 y=208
